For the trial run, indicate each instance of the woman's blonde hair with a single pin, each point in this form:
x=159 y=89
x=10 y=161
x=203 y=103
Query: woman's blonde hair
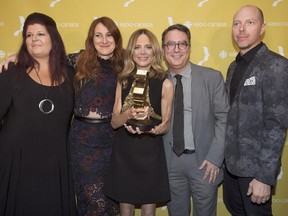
x=156 y=69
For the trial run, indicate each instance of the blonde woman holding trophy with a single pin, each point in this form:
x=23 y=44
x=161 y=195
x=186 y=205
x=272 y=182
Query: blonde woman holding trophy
x=141 y=115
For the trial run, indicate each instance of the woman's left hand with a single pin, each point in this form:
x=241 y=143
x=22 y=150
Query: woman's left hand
x=132 y=130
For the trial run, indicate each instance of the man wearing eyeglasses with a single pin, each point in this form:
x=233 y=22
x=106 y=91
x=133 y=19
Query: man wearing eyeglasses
x=194 y=144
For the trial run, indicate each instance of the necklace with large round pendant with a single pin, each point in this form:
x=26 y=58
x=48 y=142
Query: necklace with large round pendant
x=46 y=106
x=43 y=108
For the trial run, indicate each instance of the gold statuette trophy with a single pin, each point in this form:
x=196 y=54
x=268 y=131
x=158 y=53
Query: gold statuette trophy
x=139 y=98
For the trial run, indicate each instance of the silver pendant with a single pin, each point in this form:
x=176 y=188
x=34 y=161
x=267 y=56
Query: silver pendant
x=41 y=104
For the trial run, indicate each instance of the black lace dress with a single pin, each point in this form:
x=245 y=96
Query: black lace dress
x=91 y=143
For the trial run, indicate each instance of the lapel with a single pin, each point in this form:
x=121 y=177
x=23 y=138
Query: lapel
x=251 y=67
x=196 y=86
x=230 y=74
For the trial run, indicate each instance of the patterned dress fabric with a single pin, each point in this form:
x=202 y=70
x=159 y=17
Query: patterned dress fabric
x=91 y=143
x=35 y=176
x=257 y=120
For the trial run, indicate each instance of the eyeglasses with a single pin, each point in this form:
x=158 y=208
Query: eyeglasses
x=171 y=45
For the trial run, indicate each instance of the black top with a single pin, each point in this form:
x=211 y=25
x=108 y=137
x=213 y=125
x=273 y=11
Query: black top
x=35 y=176
x=242 y=64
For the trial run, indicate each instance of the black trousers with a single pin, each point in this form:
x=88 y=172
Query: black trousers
x=237 y=202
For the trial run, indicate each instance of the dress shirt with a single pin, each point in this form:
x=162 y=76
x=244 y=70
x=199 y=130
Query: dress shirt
x=242 y=64
x=186 y=82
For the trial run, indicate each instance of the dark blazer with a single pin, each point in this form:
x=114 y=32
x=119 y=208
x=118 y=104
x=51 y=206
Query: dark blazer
x=257 y=119
x=209 y=111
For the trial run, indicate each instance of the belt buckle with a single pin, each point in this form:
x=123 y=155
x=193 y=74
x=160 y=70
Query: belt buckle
x=188 y=151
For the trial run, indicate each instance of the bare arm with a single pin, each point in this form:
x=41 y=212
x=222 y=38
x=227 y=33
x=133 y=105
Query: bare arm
x=118 y=118
x=166 y=108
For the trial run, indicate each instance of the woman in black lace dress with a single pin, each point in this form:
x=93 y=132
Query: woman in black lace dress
x=91 y=135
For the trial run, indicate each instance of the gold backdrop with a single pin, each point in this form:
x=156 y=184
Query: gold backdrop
x=208 y=20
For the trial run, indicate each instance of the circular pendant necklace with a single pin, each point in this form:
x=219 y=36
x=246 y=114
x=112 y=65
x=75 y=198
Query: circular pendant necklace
x=46 y=105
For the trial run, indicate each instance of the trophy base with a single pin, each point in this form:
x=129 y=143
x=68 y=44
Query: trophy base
x=143 y=125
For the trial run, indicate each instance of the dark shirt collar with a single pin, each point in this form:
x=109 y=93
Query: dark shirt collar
x=247 y=57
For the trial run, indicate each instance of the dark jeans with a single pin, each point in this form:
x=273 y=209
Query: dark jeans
x=237 y=202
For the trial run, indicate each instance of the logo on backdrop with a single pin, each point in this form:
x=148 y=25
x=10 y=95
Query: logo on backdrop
x=52 y=4
x=200 y=4
x=131 y=24
x=206 y=56
x=223 y=54
x=189 y=24
x=275 y=3
x=170 y=21
x=2 y=54
x=126 y=4
x=280 y=175
x=281 y=50
x=22 y=20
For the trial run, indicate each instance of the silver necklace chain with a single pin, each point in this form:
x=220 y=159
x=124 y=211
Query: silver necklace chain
x=45 y=100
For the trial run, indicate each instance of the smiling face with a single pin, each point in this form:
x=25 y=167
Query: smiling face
x=248 y=27
x=38 y=41
x=103 y=41
x=143 y=53
x=176 y=58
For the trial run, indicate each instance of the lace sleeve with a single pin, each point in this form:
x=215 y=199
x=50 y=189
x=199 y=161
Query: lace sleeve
x=72 y=57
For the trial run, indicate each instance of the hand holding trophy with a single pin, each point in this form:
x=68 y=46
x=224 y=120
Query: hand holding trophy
x=141 y=102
